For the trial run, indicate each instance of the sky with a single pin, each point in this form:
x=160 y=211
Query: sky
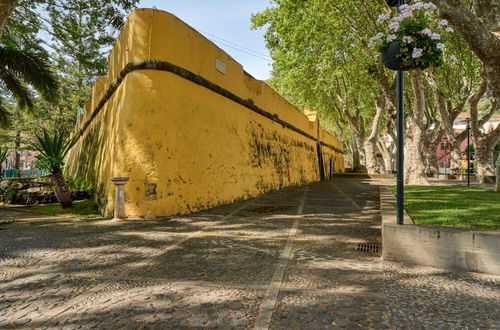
x=227 y=24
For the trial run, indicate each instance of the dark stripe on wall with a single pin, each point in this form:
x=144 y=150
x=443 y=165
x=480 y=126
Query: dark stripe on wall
x=172 y=68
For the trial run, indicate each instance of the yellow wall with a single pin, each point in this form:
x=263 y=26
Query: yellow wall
x=184 y=147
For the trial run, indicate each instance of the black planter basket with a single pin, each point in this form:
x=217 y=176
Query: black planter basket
x=394 y=3
x=391 y=59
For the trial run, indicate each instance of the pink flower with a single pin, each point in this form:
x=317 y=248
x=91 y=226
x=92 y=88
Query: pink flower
x=427 y=31
x=394 y=26
x=435 y=36
x=417 y=52
x=382 y=18
x=417 y=6
x=429 y=6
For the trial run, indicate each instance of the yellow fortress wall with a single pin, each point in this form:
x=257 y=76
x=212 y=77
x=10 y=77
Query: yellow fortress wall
x=189 y=127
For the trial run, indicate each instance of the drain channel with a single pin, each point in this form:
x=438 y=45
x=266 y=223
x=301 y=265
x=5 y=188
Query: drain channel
x=369 y=247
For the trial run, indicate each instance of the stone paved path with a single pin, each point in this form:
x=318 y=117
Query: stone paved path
x=286 y=260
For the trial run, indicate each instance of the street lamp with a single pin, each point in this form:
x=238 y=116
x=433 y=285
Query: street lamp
x=400 y=132
x=468 y=152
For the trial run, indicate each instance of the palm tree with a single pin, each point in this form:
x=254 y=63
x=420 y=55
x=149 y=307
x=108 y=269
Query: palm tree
x=18 y=70
x=4 y=153
x=53 y=148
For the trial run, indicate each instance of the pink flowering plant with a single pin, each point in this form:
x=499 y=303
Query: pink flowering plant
x=418 y=30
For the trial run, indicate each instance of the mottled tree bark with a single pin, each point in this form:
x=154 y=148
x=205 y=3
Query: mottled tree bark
x=61 y=188
x=356 y=125
x=370 y=144
x=484 y=161
x=484 y=143
x=455 y=156
x=386 y=155
x=357 y=152
x=414 y=135
x=430 y=157
x=448 y=113
x=497 y=173
x=6 y=8
x=356 y=159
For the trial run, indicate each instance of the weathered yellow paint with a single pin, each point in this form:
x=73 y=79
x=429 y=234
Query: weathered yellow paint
x=184 y=147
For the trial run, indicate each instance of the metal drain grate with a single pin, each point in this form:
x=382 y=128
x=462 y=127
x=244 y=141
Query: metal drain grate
x=369 y=247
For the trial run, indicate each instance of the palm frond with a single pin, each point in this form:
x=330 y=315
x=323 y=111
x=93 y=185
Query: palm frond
x=19 y=91
x=31 y=68
x=53 y=147
x=4 y=153
x=5 y=116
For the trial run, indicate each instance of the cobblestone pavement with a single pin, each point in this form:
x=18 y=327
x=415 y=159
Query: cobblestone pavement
x=286 y=260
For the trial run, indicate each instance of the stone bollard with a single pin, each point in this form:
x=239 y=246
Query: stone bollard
x=119 y=213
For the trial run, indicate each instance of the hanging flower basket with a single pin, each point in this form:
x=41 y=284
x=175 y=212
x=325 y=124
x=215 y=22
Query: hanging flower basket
x=391 y=57
x=413 y=39
x=394 y=3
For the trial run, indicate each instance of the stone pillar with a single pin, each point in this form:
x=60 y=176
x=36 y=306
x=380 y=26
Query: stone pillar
x=119 y=213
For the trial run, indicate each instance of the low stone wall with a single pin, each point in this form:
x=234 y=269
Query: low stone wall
x=443 y=247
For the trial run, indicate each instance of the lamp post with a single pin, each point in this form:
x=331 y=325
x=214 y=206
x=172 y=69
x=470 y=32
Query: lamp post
x=468 y=152
x=400 y=133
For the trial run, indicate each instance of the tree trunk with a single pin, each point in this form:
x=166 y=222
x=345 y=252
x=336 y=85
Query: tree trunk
x=371 y=157
x=370 y=145
x=414 y=162
x=484 y=143
x=356 y=158
x=6 y=8
x=61 y=189
x=357 y=149
x=386 y=156
x=17 y=155
x=484 y=159
x=430 y=156
x=415 y=168
x=455 y=155
x=497 y=174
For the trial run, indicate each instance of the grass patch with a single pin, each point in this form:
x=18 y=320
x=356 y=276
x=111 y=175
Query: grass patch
x=453 y=206
x=83 y=209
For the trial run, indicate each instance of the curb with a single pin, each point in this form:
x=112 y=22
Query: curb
x=460 y=249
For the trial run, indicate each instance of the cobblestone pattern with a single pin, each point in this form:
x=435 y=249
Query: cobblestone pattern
x=23 y=299
x=206 y=259
x=212 y=270
x=133 y=305
x=430 y=298
x=328 y=283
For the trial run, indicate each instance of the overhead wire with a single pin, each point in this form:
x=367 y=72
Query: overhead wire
x=233 y=43
x=235 y=46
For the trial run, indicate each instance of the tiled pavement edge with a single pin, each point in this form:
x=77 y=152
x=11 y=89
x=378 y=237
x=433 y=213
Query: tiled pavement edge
x=286 y=260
